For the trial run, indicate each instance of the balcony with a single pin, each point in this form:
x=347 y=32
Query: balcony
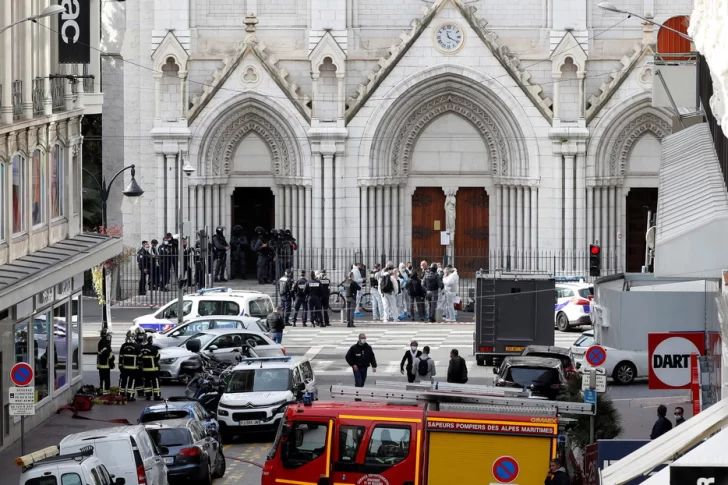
x=17 y=99
x=59 y=102
x=38 y=95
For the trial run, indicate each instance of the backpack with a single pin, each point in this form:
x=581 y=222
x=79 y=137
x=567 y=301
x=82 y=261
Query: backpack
x=386 y=286
x=423 y=368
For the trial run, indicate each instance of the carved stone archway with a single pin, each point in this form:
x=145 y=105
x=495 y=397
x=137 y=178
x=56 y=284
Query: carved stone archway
x=628 y=136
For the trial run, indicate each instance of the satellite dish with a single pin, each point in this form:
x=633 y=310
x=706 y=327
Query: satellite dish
x=650 y=237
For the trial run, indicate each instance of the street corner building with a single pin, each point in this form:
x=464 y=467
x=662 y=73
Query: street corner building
x=43 y=251
x=521 y=130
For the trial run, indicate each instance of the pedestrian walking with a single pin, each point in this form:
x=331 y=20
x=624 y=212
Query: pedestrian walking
x=150 y=368
x=387 y=287
x=679 y=418
x=285 y=290
x=662 y=425
x=312 y=291
x=359 y=357
x=128 y=366
x=457 y=368
x=276 y=323
x=105 y=361
x=433 y=285
x=424 y=367
x=557 y=474
x=144 y=261
x=377 y=308
x=325 y=294
x=408 y=361
x=351 y=288
x=416 y=297
x=359 y=278
x=299 y=290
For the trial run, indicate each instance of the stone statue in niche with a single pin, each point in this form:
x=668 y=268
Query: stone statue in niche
x=450 y=214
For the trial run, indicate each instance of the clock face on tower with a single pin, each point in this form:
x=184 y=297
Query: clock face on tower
x=449 y=37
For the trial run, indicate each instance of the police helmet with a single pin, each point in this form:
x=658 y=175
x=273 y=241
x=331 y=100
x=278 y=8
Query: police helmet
x=104 y=331
x=238 y=228
x=129 y=336
x=288 y=272
x=322 y=273
x=219 y=230
x=433 y=267
x=259 y=230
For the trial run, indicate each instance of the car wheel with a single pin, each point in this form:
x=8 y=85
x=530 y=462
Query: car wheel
x=624 y=373
x=221 y=465
x=225 y=434
x=562 y=322
x=207 y=480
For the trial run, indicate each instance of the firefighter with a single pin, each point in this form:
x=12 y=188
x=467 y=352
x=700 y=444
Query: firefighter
x=312 y=291
x=325 y=293
x=285 y=289
x=140 y=338
x=300 y=291
x=150 y=370
x=128 y=365
x=104 y=361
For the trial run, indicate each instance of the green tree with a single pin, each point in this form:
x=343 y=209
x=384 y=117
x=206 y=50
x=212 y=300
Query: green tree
x=608 y=422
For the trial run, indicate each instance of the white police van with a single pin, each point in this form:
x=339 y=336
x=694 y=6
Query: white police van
x=573 y=303
x=258 y=390
x=48 y=466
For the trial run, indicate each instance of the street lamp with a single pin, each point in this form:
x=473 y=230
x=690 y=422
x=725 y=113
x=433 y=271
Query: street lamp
x=610 y=7
x=132 y=191
x=49 y=10
x=185 y=169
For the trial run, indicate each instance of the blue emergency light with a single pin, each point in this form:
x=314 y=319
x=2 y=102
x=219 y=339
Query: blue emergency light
x=266 y=359
x=579 y=279
x=218 y=289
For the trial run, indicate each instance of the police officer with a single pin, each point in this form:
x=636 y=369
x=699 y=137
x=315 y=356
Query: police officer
x=187 y=258
x=219 y=249
x=312 y=290
x=199 y=259
x=433 y=285
x=166 y=257
x=150 y=370
x=239 y=246
x=299 y=289
x=285 y=290
x=128 y=365
x=144 y=261
x=325 y=293
x=262 y=249
x=104 y=361
x=140 y=338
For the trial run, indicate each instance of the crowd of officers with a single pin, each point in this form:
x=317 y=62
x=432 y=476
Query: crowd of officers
x=138 y=365
x=309 y=294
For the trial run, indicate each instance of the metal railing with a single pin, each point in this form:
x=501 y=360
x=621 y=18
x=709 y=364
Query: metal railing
x=38 y=95
x=17 y=98
x=57 y=94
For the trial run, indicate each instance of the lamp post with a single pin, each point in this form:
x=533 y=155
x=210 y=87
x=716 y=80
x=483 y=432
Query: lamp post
x=188 y=170
x=49 y=10
x=133 y=191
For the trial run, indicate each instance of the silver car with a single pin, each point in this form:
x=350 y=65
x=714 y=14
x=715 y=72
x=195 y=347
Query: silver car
x=179 y=334
x=222 y=343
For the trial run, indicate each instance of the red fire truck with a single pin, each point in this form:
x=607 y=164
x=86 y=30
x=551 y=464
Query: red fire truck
x=431 y=437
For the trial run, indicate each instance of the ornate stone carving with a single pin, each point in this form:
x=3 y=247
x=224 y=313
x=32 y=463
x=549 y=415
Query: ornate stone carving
x=250 y=77
x=410 y=131
x=32 y=138
x=53 y=133
x=3 y=148
x=450 y=214
x=43 y=137
x=629 y=135
x=12 y=143
x=23 y=142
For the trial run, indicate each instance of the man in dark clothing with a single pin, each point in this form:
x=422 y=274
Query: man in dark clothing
x=557 y=475
x=457 y=369
x=276 y=323
x=408 y=361
x=313 y=300
x=166 y=259
x=417 y=296
x=239 y=247
x=219 y=248
x=144 y=261
x=200 y=267
x=285 y=290
x=187 y=258
x=150 y=369
x=662 y=425
x=351 y=287
x=325 y=294
x=104 y=361
x=359 y=357
x=263 y=250
x=679 y=419
x=299 y=289
x=154 y=282
x=433 y=285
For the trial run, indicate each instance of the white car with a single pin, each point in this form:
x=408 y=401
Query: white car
x=49 y=466
x=258 y=390
x=573 y=304
x=179 y=334
x=208 y=302
x=624 y=366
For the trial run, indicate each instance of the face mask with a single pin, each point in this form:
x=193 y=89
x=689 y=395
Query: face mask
x=362 y=341
x=166 y=242
x=413 y=348
x=678 y=415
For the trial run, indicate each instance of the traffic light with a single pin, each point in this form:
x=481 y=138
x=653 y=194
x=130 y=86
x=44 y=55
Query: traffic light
x=595 y=260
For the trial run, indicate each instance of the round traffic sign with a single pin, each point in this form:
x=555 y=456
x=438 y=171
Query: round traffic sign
x=505 y=469
x=21 y=374
x=596 y=355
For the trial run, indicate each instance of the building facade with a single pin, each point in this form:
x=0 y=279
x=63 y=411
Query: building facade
x=516 y=128
x=43 y=252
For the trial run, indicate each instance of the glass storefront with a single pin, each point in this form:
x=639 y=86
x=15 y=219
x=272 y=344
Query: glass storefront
x=75 y=305
x=43 y=343
x=60 y=346
x=22 y=339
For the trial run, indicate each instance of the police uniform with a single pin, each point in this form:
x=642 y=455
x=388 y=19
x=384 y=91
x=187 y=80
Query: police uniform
x=284 y=290
x=104 y=361
x=299 y=290
x=325 y=293
x=128 y=365
x=144 y=261
x=312 y=290
x=150 y=369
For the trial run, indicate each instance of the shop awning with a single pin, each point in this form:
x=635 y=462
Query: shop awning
x=24 y=277
x=664 y=448
x=711 y=453
x=692 y=208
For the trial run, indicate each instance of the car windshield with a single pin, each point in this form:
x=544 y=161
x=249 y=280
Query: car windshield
x=162 y=415
x=525 y=376
x=259 y=380
x=584 y=341
x=586 y=292
x=204 y=338
x=171 y=436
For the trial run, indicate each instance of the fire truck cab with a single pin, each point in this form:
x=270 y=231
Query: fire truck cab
x=427 y=442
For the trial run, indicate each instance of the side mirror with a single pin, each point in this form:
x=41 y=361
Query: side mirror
x=495 y=370
x=176 y=333
x=212 y=348
x=120 y=481
x=193 y=345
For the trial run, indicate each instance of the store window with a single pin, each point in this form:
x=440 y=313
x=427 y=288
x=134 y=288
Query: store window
x=41 y=332
x=39 y=188
x=57 y=179
x=60 y=347
x=75 y=335
x=22 y=348
x=19 y=171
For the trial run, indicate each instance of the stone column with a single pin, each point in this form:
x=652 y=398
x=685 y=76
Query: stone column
x=158 y=95
x=534 y=218
x=408 y=192
x=568 y=204
x=182 y=94
x=371 y=222
x=605 y=217
x=314 y=95
x=27 y=59
x=387 y=220
x=160 y=194
x=512 y=227
x=519 y=226
x=622 y=205
x=379 y=219
x=581 y=76
x=208 y=210
x=6 y=111
x=612 y=227
x=340 y=102
x=589 y=216
x=328 y=201
x=45 y=42
x=497 y=205
x=67 y=88
x=364 y=216
x=450 y=218
x=302 y=222
x=581 y=243
x=557 y=99
x=170 y=203
x=310 y=224
x=527 y=227
x=280 y=202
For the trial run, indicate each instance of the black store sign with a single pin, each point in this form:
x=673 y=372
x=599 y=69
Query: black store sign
x=698 y=475
x=74 y=32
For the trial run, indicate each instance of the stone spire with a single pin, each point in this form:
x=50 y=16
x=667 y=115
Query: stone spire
x=250 y=22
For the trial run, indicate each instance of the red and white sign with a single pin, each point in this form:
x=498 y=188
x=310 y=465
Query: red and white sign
x=695 y=383
x=669 y=354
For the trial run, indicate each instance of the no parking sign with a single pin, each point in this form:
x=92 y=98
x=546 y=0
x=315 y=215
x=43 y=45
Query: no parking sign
x=505 y=469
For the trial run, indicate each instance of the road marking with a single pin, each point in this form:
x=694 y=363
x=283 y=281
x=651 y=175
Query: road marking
x=312 y=352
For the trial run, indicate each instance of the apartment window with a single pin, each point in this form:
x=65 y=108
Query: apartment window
x=40 y=191
x=18 y=193
x=57 y=180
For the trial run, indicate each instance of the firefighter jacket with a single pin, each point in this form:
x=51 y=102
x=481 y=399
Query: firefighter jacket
x=129 y=357
x=150 y=358
x=105 y=355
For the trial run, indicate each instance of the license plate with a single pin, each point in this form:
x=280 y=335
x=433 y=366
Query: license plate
x=169 y=460
x=515 y=349
x=586 y=309
x=249 y=423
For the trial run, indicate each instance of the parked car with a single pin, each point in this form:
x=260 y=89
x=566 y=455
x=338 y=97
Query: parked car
x=180 y=410
x=258 y=390
x=544 y=377
x=561 y=353
x=573 y=305
x=623 y=366
x=127 y=451
x=179 y=334
x=74 y=468
x=190 y=452
x=222 y=344
x=209 y=302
